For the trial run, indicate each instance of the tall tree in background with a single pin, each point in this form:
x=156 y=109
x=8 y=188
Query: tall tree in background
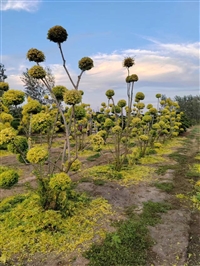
x=36 y=89
x=190 y=105
x=2 y=73
x=3 y=85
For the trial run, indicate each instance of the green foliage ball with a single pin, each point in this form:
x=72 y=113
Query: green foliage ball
x=158 y=95
x=157 y=145
x=18 y=144
x=60 y=182
x=136 y=121
x=86 y=63
x=147 y=118
x=121 y=103
x=13 y=97
x=32 y=107
x=8 y=178
x=128 y=62
x=72 y=97
x=7 y=135
x=4 y=86
x=4 y=117
x=149 y=106
x=59 y=92
x=42 y=122
x=153 y=110
x=116 y=130
x=37 y=72
x=35 y=55
x=110 y=93
x=140 y=105
x=102 y=133
x=97 y=142
x=76 y=165
x=116 y=109
x=144 y=138
x=80 y=112
x=103 y=104
x=108 y=123
x=140 y=96
x=37 y=155
x=132 y=78
x=57 y=34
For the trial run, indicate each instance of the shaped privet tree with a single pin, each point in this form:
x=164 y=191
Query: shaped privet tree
x=72 y=97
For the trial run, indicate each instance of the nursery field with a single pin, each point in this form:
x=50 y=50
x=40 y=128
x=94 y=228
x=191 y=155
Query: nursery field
x=148 y=213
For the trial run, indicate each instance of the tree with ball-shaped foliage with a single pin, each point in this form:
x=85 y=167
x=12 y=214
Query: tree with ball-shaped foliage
x=58 y=34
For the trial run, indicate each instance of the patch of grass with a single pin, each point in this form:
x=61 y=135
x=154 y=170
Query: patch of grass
x=165 y=186
x=125 y=247
x=85 y=179
x=99 y=182
x=161 y=170
x=93 y=157
x=131 y=241
x=180 y=158
x=152 y=210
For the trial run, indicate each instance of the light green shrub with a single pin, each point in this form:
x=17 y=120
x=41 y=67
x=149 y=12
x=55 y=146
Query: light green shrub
x=8 y=178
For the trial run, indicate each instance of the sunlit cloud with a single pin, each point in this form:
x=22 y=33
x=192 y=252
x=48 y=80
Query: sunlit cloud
x=164 y=68
x=28 y=5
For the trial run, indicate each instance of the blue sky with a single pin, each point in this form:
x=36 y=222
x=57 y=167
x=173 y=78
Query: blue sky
x=162 y=36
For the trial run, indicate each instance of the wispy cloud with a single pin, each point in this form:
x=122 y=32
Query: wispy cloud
x=170 y=69
x=28 y=5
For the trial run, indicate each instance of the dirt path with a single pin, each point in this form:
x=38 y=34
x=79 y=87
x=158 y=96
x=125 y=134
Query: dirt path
x=176 y=238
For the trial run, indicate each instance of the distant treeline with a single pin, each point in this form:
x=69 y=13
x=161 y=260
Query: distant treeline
x=190 y=105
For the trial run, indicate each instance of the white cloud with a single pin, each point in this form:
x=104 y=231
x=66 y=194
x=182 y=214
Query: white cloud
x=27 y=5
x=164 y=68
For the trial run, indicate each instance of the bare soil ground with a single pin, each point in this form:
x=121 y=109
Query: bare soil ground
x=177 y=238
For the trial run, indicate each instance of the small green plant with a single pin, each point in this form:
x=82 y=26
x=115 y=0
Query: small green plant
x=128 y=245
x=125 y=247
x=165 y=186
x=93 y=157
x=99 y=182
x=163 y=169
x=152 y=210
x=8 y=178
x=180 y=158
x=85 y=179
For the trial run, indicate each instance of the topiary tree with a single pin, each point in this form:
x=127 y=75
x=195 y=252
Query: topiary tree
x=13 y=97
x=8 y=178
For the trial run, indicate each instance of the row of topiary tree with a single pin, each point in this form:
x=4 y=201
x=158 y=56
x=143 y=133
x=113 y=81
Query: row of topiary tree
x=126 y=121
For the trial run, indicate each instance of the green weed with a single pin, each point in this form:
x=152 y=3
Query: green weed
x=165 y=186
x=99 y=182
x=93 y=157
x=163 y=169
x=180 y=158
